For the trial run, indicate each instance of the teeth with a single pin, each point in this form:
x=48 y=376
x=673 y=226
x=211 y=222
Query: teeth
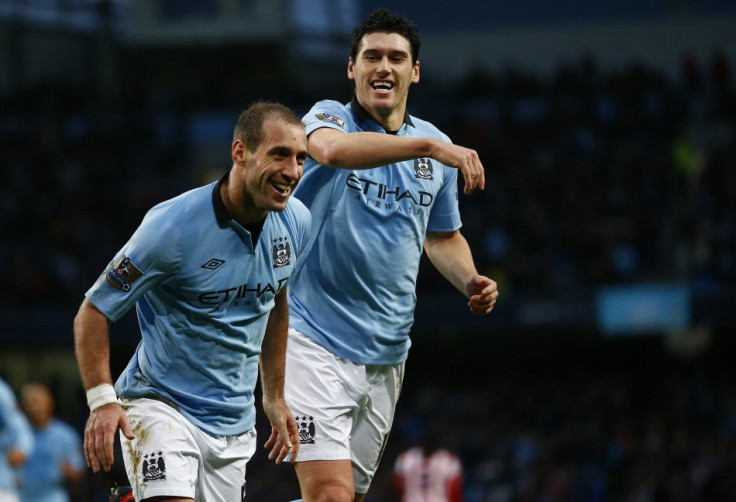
x=283 y=188
x=382 y=85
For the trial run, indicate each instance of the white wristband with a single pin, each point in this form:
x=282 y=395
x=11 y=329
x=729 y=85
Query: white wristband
x=100 y=396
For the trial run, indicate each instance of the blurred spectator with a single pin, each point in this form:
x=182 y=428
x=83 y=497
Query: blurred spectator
x=595 y=177
x=16 y=442
x=57 y=460
x=622 y=426
x=428 y=473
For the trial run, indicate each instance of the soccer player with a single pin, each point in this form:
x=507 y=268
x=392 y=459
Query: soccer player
x=57 y=459
x=208 y=273
x=16 y=442
x=381 y=186
x=428 y=472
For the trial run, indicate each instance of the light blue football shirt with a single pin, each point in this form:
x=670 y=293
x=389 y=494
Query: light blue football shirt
x=354 y=289
x=15 y=433
x=41 y=477
x=202 y=293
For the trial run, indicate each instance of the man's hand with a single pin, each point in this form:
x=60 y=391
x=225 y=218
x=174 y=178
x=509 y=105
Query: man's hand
x=464 y=159
x=284 y=431
x=99 y=435
x=483 y=293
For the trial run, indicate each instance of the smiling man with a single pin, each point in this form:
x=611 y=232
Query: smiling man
x=381 y=186
x=207 y=272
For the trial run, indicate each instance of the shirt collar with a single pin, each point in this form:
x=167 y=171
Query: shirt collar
x=362 y=114
x=218 y=204
x=222 y=214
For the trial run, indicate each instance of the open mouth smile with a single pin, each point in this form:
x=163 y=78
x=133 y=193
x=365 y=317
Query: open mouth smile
x=282 y=188
x=382 y=85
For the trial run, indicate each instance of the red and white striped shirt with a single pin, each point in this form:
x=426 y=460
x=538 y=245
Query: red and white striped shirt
x=436 y=478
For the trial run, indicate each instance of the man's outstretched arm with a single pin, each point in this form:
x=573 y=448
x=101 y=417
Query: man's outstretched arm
x=366 y=150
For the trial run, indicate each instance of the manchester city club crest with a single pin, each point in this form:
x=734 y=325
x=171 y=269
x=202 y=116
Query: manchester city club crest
x=423 y=169
x=153 y=466
x=281 y=252
x=306 y=429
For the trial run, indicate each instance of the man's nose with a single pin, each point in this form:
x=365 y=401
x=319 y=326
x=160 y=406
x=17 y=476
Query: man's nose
x=293 y=168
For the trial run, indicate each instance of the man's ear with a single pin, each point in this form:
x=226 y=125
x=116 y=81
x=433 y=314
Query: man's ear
x=351 y=74
x=238 y=151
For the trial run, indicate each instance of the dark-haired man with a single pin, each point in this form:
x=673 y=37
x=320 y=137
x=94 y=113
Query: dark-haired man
x=381 y=186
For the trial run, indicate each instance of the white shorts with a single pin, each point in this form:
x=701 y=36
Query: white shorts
x=8 y=495
x=344 y=410
x=172 y=457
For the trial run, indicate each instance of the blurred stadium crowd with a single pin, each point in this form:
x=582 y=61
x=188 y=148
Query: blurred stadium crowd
x=553 y=435
x=593 y=178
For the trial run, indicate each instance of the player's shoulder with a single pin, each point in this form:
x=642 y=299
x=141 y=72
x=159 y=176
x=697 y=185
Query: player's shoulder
x=328 y=113
x=296 y=220
x=296 y=217
x=425 y=128
x=296 y=205
x=409 y=457
x=183 y=200
x=170 y=224
x=329 y=104
x=297 y=210
x=185 y=206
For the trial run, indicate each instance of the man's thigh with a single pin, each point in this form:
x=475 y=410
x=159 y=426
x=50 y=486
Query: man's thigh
x=321 y=478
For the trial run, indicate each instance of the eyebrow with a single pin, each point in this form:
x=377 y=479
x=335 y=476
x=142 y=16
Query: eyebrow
x=286 y=151
x=373 y=50
x=280 y=150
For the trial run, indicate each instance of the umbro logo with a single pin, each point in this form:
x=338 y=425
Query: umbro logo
x=213 y=264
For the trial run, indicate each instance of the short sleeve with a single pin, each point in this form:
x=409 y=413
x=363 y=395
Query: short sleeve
x=150 y=256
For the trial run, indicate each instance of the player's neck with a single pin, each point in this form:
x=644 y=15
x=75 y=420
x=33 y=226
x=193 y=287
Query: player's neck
x=390 y=119
x=241 y=209
x=393 y=121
